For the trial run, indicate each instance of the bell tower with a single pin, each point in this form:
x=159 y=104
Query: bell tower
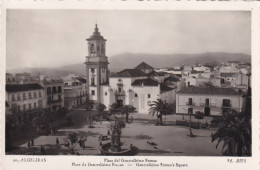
x=96 y=65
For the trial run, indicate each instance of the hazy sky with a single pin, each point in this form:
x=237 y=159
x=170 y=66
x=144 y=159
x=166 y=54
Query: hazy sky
x=49 y=38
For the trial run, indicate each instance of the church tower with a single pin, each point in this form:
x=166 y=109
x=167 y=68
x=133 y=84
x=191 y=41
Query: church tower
x=96 y=65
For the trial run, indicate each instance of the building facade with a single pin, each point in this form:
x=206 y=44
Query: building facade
x=24 y=100
x=96 y=65
x=137 y=87
x=210 y=101
x=53 y=94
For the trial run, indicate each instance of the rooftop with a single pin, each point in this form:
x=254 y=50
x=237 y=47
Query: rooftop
x=164 y=88
x=144 y=66
x=145 y=82
x=154 y=73
x=96 y=35
x=209 y=91
x=130 y=73
x=172 y=78
x=82 y=80
x=22 y=87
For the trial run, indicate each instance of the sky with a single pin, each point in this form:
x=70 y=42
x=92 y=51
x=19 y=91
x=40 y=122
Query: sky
x=53 y=38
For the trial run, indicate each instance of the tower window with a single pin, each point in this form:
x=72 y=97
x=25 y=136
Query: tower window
x=149 y=95
x=105 y=93
x=93 y=92
x=92 y=81
x=136 y=95
x=92 y=70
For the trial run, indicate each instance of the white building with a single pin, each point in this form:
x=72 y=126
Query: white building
x=24 y=100
x=128 y=87
x=210 y=101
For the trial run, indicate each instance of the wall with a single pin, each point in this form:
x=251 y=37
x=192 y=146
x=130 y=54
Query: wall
x=237 y=102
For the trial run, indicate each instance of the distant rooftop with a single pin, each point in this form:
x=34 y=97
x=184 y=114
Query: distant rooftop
x=22 y=87
x=172 y=78
x=130 y=73
x=145 y=82
x=209 y=91
x=144 y=66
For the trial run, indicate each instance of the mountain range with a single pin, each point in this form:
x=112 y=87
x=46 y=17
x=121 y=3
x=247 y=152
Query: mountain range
x=130 y=60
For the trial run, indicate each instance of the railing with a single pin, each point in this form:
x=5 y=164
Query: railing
x=226 y=106
x=54 y=101
x=189 y=104
x=122 y=93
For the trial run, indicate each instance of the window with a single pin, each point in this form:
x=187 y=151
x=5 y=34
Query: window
x=49 y=90
x=59 y=89
x=149 y=95
x=30 y=95
x=207 y=102
x=190 y=101
x=105 y=93
x=13 y=99
x=54 y=90
x=40 y=94
x=119 y=90
x=92 y=81
x=119 y=80
x=190 y=111
x=136 y=95
x=92 y=92
x=92 y=70
x=18 y=97
x=226 y=103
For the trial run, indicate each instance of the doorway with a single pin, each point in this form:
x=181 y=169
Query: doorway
x=207 y=111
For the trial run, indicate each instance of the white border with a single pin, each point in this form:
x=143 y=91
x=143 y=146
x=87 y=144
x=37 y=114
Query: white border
x=200 y=163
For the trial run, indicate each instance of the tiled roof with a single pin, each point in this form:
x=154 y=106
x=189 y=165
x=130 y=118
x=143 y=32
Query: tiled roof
x=145 y=82
x=154 y=73
x=82 y=80
x=172 y=78
x=144 y=66
x=22 y=87
x=227 y=74
x=209 y=91
x=130 y=73
x=164 y=88
x=233 y=61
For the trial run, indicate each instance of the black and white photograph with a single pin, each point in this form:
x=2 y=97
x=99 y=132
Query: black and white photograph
x=128 y=83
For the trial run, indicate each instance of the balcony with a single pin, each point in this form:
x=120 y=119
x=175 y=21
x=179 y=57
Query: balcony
x=189 y=104
x=226 y=106
x=122 y=93
x=54 y=101
x=208 y=104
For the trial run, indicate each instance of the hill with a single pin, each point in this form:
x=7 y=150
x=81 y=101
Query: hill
x=130 y=60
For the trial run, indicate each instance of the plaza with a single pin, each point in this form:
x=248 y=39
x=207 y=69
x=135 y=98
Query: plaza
x=168 y=140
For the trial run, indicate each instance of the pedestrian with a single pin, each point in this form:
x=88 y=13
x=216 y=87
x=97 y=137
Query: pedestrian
x=29 y=144
x=57 y=141
x=32 y=142
x=131 y=146
x=108 y=132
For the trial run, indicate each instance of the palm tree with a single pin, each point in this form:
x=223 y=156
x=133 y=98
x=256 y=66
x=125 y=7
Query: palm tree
x=160 y=108
x=126 y=109
x=235 y=131
x=71 y=141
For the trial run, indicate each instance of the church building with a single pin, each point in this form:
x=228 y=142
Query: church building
x=134 y=87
